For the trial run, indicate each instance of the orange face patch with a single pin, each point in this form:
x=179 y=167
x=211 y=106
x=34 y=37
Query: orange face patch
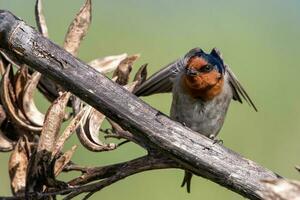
x=205 y=85
x=196 y=62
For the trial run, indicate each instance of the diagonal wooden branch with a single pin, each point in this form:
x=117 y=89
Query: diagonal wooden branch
x=191 y=150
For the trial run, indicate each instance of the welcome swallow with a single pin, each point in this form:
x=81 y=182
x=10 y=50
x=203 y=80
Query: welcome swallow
x=202 y=86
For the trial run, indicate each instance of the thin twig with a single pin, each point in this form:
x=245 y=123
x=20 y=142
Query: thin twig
x=113 y=173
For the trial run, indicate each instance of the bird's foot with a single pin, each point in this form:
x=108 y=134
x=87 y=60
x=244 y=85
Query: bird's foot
x=215 y=140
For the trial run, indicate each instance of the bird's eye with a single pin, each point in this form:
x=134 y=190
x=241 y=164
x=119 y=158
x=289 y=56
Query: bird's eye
x=207 y=68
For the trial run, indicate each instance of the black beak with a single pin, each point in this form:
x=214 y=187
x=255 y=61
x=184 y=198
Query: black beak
x=191 y=72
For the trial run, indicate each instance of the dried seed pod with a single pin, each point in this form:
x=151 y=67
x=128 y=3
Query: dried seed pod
x=93 y=123
x=17 y=167
x=131 y=86
x=63 y=160
x=141 y=75
x=85 y=139
x=11 y=109
x=88 y=131
x=41 y=165
x=20 y=80
x=40 y=18
x=28 y=105
x=2 y=115
x=5 y=143
x=3 y=65
x=73 y=125
x=124 y=69
x=280 y=189
x=78 y=28
x=53 y=121
x=107 y=64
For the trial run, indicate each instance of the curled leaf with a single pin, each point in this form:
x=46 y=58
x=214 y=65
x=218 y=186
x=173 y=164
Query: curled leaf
x=107 y=64
x=13 y=112
x=78 y=28
x=29 y=108
x=124 y=69
x=63 y=160
x=40 y=18
x=17 y=166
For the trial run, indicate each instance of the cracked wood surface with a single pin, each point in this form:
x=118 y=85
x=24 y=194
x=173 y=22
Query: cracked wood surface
x=195 y=152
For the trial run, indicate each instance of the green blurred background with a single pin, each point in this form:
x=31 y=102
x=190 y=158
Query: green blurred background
x=260 y=41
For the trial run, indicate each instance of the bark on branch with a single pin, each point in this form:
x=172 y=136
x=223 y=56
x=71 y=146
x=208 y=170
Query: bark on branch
x=191 y=150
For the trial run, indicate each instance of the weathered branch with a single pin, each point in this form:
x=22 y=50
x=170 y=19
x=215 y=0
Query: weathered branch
x=191 y=150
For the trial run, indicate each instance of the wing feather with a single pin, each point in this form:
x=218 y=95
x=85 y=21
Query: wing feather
x=238 y=89
x=161 y=81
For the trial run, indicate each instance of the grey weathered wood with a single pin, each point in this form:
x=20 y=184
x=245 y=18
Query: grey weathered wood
x=197 y=153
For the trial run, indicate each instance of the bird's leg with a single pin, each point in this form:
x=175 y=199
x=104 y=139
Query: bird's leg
x=184 y=124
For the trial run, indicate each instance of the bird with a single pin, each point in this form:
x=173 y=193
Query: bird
x=202 y=88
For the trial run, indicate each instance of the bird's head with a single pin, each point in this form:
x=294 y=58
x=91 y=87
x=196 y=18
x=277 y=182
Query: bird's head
x=204 y=73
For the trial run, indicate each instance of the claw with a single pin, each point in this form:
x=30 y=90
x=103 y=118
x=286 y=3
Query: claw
x=187 y=181
x=215 y=140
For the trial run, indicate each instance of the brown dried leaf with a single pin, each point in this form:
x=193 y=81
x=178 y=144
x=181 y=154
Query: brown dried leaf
x=17 y=167
x=11 y=109
x=124 y=69
x=40 y=18
x=52 y=124
x=141 y=75
x=63 y=160
x=73 y=125
x=28 y=105
x=107 y=64
x=78 y=28
x=281 y=189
